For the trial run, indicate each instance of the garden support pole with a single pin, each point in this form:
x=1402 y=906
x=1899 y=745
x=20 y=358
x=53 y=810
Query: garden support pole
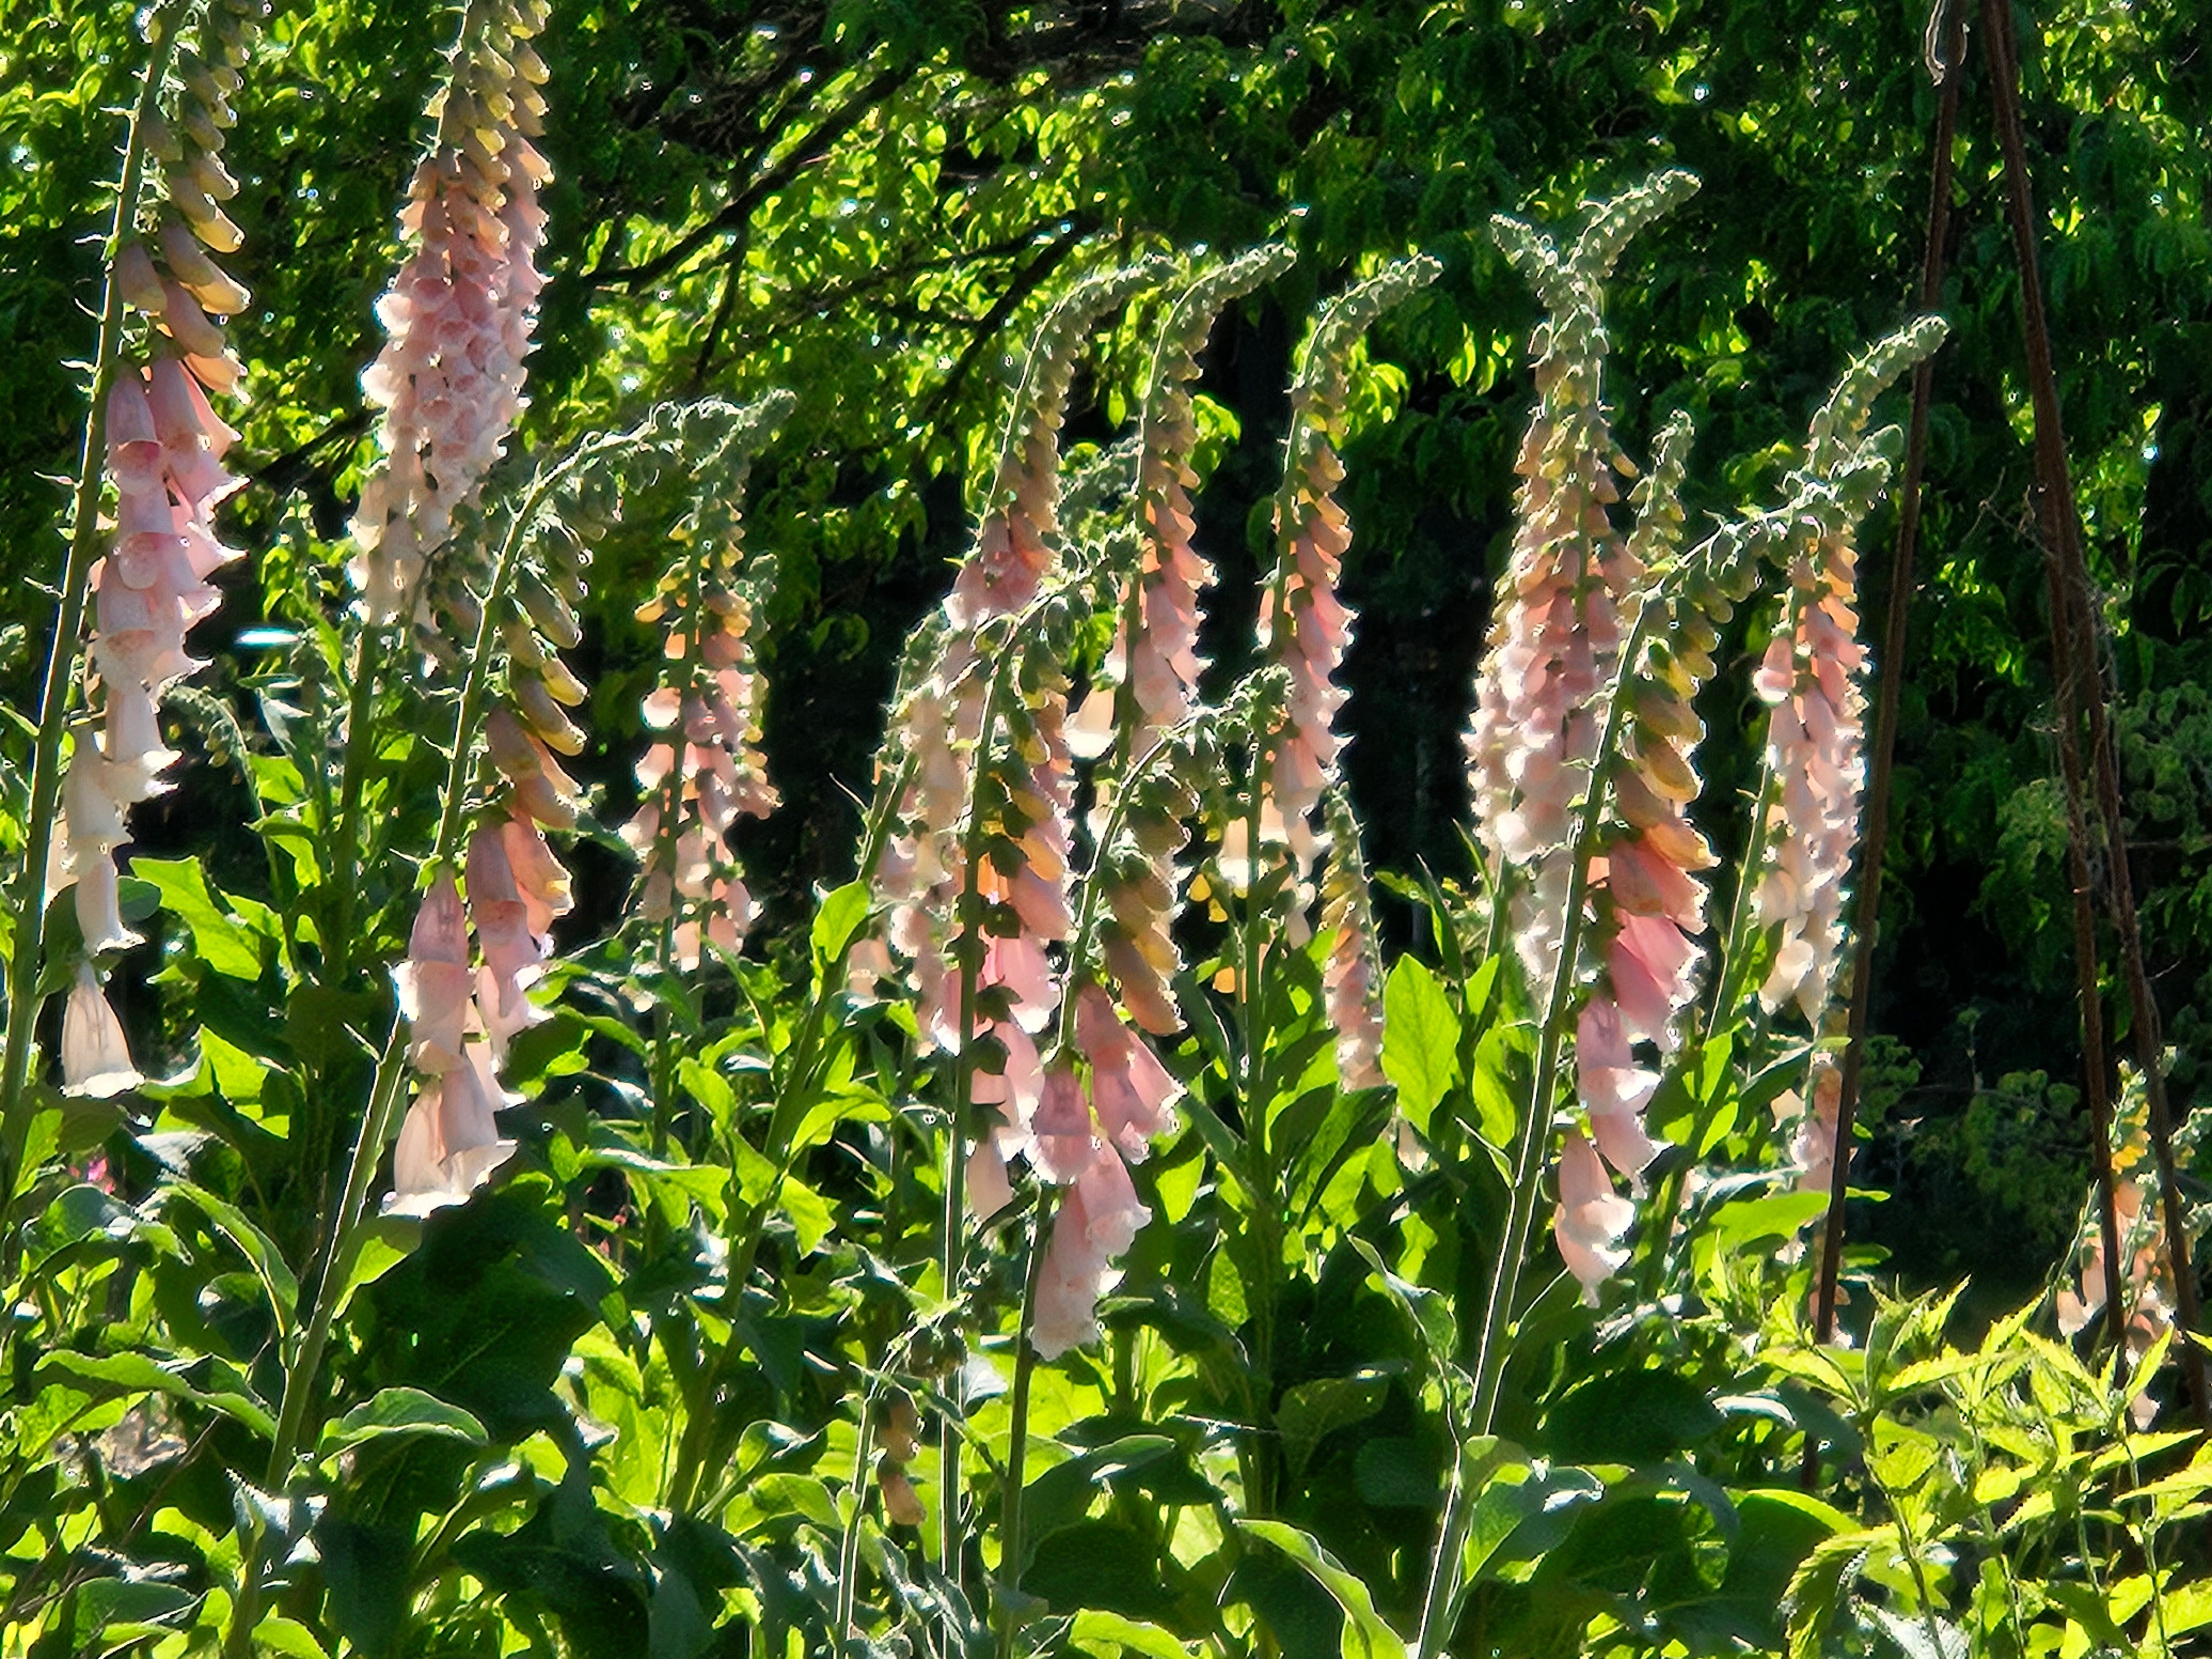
x=2075 y=654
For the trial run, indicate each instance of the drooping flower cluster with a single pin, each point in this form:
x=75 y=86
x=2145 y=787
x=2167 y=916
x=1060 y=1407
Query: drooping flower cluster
x=1556 y=635
x=2146 y=1274
x=2145 y=1279
x=1810 y=680
x=449 y=1141
x=1147 y=689
x=1304 y=627
x=979 y=729
x=1813 y=1140
x=459 y=314
x=1018 y=910
x=704 y=775
x=1087 y=1130
x=164 y=450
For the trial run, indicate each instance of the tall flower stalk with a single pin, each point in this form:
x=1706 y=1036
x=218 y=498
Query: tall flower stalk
x=459 y=313
x=152 y=430
x=1147 y=688
x=1626 y=850
x=1555 y=639
x=977 y=872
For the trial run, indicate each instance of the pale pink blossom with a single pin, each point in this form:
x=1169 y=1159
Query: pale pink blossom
x=710 y=771
x=1591 y=1219
x=1132 y=1093
x=1351 y=979
x=1614 y=1089
x=1098 y=1218
x=1305 y=629
x=449 y=1143
x=2146 y=1282
x=434 y=982
x=1810 y=679
x=1813 y=1148
x=96 y=1056
x=514 y=955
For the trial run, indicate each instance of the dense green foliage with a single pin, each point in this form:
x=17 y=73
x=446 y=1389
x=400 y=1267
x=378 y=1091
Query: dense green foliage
x=644 y=1395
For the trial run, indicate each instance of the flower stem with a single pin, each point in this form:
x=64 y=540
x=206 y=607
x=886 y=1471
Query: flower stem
x=1530 y=1147
x=28 y=957
x=348 y=1223
x=1010 y=1546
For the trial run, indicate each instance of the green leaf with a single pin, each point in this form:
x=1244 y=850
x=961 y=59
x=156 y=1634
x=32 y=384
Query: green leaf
x=1106 y=1635
x=1062 y=1495
x=138 y=1373
x=1312 y=1411
x=217 y=939
x=269 y=1264
x=841 y=915
x=397 y=1413
x=1630 y=1417
x=1365 y=1634
x=1420 y=1039
x=1100 y=1564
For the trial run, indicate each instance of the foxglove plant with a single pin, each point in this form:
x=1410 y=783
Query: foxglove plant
x=986 y=766
x=1555 y=640
x=459 y=313
x=707 y=771
x=1304 y=628
x=1351 y=982
x=1147 y=689
x=155 y=433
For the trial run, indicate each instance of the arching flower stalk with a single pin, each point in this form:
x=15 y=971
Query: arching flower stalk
x=459 y=313
x=1351 y=982
x=1555 y=638
x=1647 y=906
x=976 y=871
x=1148 y=685
x=1303 y=626
x=937 y=721
x=1650 y=905
x=164 y=449
x=706 y=771
x=1811 y=678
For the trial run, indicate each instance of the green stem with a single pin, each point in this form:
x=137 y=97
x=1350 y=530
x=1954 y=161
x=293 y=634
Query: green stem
x=793 y=1098
x=848 y=1545
x=969 y=948
x=28 y=957
x=1531 y=1145
x=349 y=1224
x=361 y=721
x=1252 y=1009
x=1010 y=1508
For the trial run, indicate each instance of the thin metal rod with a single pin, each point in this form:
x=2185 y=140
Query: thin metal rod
x=2075 y=653
x=1903 y=582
